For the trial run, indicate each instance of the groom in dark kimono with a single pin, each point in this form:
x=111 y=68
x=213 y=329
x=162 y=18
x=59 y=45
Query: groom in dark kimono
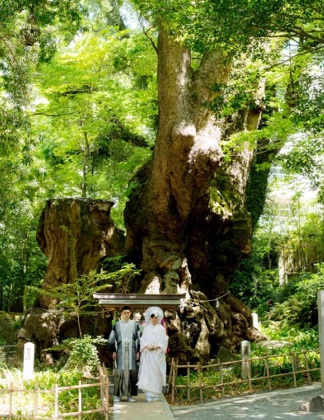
x=124 y=342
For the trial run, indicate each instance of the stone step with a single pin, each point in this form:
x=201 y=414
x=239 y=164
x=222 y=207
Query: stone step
x=112 y=387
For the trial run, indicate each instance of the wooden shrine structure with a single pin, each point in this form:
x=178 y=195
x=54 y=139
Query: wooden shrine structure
x=138 y=301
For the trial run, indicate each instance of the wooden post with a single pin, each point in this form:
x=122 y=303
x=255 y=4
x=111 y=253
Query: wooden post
x=320 y=305
x=170 y=376
x=188 y=382
x=36 y=400
x=107 y=394
x=293 y=364
x=266 y=362
x=10 y=400
x=102 y=386
x=245 y=352
x=80 y=401
x=56 y=406
x=173 y=381
x=221 y=377
x=307 y=367
x=200 y=384
x=250 y=375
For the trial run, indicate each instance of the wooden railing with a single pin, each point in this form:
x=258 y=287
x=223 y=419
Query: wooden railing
x=220 y=380
x=23 y=403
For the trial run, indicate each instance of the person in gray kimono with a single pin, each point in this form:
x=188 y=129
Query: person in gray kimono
x=124 y=342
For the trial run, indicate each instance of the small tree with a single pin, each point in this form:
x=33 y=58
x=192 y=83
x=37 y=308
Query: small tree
x=82 y=354
x=76 y=299
x=122 y=273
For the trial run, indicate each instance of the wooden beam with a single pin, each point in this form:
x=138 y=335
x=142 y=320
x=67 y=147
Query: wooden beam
x=113 y=301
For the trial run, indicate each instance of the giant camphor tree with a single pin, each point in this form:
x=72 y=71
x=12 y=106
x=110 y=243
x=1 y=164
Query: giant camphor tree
x=188 y=224
x=188 y=218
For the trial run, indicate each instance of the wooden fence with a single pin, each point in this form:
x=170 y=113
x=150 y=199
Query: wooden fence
x=28 y=403
x=220 y=380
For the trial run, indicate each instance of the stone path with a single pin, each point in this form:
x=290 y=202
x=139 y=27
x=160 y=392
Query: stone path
x=282 y=404
x=141 y=410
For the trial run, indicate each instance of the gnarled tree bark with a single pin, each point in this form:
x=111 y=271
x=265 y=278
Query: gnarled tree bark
x=75 y=235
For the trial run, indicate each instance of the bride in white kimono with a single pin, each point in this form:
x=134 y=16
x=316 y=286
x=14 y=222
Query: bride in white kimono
x=154 y=342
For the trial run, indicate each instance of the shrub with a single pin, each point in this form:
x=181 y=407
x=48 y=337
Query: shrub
x=82 y=354
x=298 y=301
x=9 y=326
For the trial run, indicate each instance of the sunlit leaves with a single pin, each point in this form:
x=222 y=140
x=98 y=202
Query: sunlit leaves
x=304 y=155
x=96 y=114
x=237 y=24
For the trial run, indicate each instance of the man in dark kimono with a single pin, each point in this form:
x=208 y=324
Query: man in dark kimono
x=124 y=342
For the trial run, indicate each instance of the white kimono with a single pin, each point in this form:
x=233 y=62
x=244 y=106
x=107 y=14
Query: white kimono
x=152 y=369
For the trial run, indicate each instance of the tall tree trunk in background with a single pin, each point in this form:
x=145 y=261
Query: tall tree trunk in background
x=75 y=234
x=188 y=225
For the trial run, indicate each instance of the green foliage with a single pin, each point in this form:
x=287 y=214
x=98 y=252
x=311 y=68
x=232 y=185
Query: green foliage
x=96 y=127
x=304 y=157
x=254 y=285
x=22 y=189
x=80 y=117
x=82 y=354
x=236 y=24
x=121 y=273
x=22 y=264
x=76 y=298
x=290 y=230
x=298 y=338
x=9 y=326
x=74 y=138
x=229 y=382
x=256 y=279
x=279 y=40
x=298 y=305
x=277 y=129
x=46 y=381
x=24 y=24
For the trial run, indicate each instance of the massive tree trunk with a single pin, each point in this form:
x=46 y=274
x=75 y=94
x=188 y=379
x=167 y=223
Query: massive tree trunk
x=75 y=235
x=188 y=225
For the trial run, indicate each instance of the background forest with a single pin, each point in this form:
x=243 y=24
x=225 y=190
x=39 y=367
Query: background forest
x=79 y=117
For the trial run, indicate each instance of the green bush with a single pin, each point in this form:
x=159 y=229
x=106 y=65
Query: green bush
x=280 y=368
x=296 y=304
x=81 y=354
x=46 y=381
x=9 y=326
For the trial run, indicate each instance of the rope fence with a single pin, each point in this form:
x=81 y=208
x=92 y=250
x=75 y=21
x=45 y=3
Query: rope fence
x=201 y=382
